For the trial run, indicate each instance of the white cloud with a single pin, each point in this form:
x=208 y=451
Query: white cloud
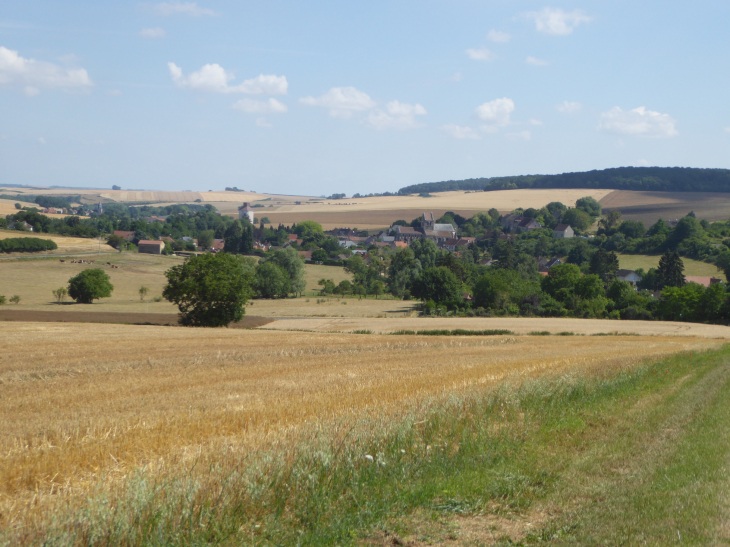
x=520 y=136
x=261 y=122
x=250 y=106
x=481 y=54
x=727 y=129
x=182 y=8
x=567 y=107
x=534 y=61
x=41 y=140
x=156 y=32
x=33 y=75
x=214 y=78
x=498 y=36
x=556 y=21
x=535 y=122
x=397 y=115
x=460 y=132
x=341 y=101
x=637 y=122
x=495 y=113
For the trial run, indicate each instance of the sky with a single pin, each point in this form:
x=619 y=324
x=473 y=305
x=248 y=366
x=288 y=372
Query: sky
x=321 y=97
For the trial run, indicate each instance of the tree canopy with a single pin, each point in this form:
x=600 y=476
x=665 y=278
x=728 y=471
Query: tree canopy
x=90 y=285
x=210 y=290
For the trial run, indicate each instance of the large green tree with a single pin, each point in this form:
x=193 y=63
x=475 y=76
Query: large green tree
x=272 y=281
x=577 y=219
x=604 y=265
x=437 y=284
x=210 y=290
x=90 y=285
x=293 y=264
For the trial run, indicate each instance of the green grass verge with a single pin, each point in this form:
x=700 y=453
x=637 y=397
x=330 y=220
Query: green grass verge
x=620 y=459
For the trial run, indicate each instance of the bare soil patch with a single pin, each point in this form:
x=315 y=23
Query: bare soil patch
x=168 y=319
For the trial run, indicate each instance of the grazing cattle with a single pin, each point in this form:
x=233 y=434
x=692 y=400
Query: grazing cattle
x=63 y=261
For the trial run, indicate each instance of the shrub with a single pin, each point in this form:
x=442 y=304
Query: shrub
x=26 y=245
x=15 y=299
x=90 y=285
x=59 y=294
x=2 y=300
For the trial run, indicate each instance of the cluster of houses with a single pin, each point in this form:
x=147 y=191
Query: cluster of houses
x=60 y=211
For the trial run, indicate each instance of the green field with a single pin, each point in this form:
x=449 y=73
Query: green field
x=691 y=267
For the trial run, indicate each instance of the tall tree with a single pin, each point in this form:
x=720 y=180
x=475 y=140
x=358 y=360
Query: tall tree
x=233 y=238
x=671 y=270
x=604 y=265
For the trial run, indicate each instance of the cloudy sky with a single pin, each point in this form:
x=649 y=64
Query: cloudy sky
x=321 y=97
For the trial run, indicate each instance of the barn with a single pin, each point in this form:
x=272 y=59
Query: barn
x=150 y=247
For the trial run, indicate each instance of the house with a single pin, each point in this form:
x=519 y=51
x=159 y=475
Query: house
x=519 y=224
x=124 y=234
x=293 y=237
x=245 y=211
x=398 y=245
x=351 y=241
x=24 y=224
x=150 y=247
x=630 y=276
x=150 y=220
x=704 y=280
x=343 y=257
x=405 y=233
x=544 y=264
x=218 y=244
x=307 y=255
x=168 y=239
x=454 y=244
x=343 y=232
x=563 y=231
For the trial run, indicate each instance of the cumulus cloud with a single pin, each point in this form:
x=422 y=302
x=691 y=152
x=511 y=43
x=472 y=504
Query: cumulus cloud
x=156 y=32
x=341 y=101
x=567 y=107
x=396 y=115
x=495 y=114
x=250 y=106
x=498 y=36
x=214 y=78
x=534 y=61
x=460 y=132
x=556 y=21
x=33 y=75
x=182 y=8
x=637 y=122
x=481 y=54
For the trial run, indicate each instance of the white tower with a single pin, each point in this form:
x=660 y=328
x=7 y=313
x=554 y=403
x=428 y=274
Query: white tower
x=245 y=211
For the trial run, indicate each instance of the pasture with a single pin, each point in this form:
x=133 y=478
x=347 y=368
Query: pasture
x=87 y=410
x=691 y=267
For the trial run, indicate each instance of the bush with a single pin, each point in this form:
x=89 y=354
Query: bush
x=2 y=300
x=26 y=245
x=15 y=299
x=210 y=290
x=90 y=285
x=59 y=294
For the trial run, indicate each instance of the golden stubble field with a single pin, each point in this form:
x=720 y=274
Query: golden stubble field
x=66 y=245
x=84 y=405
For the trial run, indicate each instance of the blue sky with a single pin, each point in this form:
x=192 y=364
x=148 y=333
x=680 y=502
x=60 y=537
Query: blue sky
x=293 y=98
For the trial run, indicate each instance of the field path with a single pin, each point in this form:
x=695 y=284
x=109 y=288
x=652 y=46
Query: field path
x=518 y=325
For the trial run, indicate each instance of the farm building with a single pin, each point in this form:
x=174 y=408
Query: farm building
x=150 y=247
x=126 y=235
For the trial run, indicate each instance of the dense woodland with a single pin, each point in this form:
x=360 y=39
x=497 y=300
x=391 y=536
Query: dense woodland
x=655 y=179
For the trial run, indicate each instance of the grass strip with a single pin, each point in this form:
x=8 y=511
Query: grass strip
x=456 y=332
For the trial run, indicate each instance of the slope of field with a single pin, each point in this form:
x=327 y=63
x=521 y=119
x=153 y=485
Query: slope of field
x=66 y=245
x=649 y=207
x=518 y=325
x=691 y=267
x=7 y=207
x=84 y=405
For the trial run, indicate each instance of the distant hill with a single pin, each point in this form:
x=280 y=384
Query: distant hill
x=655 y=179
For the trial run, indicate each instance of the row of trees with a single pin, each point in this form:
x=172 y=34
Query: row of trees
x=26 y=245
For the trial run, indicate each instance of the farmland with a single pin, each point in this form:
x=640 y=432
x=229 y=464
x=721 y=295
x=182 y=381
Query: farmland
x=691 y=267
x=66 y=245
x=82 y=402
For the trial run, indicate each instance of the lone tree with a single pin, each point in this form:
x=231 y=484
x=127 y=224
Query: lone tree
x=15 y=299
x=90 y=285
x=210 y=290
x=143 y=292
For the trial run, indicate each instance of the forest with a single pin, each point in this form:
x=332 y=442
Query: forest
x=654 y=179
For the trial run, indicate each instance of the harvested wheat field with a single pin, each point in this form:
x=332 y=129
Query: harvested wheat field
x=518 y=325
x=649 y=207
x=84 y=405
